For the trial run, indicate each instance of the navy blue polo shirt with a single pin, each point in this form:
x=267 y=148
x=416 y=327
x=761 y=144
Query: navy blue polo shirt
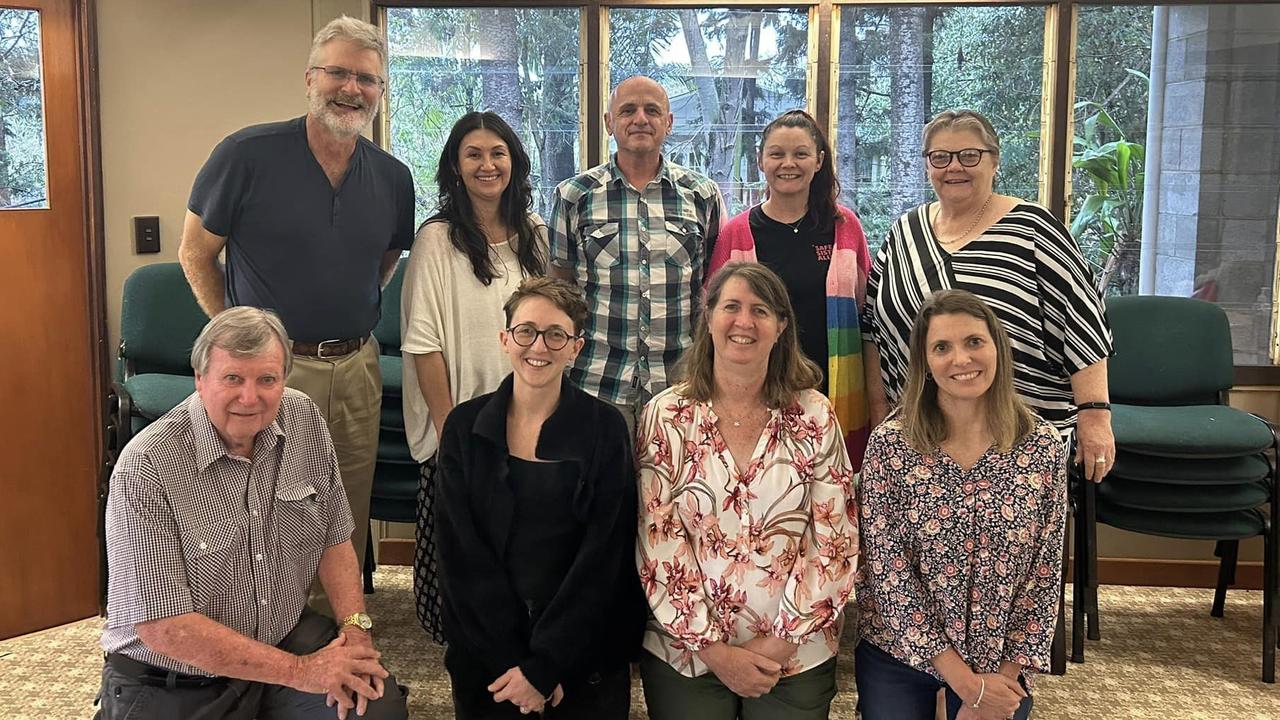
x=295 y=244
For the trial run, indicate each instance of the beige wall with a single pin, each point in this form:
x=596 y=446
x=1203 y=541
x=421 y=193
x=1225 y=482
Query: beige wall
x=178 y=76
x=175 y=78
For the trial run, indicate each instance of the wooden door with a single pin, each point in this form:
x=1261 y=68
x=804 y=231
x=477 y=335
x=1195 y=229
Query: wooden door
x=50 y=295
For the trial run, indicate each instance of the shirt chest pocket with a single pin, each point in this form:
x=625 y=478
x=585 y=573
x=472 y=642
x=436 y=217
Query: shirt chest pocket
x=300 y=520
x=684 y=242
x=213 y=554
x=601 y=244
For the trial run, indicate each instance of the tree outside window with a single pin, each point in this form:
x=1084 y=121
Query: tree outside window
x=728 y=72
x=521 y=63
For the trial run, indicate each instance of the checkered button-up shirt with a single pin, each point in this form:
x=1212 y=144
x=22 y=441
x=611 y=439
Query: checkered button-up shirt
x=191 y=528
x=640 y=256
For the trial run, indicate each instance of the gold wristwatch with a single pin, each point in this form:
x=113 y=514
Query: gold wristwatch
x=359 y=620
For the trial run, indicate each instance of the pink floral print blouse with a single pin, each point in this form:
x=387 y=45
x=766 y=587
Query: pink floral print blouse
x=969 y=560
x=728 y=556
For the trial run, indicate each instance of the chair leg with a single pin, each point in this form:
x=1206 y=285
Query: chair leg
x=1090 y=512
x=1271 y=578
x=1058 y=651
x=369 y=564
x=1229 y=551
x=1079 y=570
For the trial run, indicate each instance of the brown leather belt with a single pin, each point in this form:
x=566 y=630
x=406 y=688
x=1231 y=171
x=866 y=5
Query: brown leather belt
x=329 y=348
x=158 y=677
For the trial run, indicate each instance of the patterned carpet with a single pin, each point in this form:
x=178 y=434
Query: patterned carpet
x=1161 y=656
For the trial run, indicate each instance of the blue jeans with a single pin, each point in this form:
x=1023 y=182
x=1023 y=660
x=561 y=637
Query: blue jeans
x=889 y=689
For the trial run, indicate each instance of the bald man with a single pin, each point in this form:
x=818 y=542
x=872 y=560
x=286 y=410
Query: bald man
x=636 y=234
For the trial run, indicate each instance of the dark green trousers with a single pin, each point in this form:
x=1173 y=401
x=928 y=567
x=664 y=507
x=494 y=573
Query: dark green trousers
x=672 y=696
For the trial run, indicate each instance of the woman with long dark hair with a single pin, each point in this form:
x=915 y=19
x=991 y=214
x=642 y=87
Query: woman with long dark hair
x=467 y=259
x=816 y=246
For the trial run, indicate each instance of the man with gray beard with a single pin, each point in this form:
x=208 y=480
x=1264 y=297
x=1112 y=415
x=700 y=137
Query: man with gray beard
x=313 y=218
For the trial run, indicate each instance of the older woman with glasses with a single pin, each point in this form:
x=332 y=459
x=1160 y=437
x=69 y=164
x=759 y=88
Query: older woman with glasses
x=1022 y=261
x=535 y=520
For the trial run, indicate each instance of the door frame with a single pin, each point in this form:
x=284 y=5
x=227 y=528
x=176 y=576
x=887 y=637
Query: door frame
x=95 y=258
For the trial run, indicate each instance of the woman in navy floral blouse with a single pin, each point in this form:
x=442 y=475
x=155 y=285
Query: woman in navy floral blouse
x=962 y=501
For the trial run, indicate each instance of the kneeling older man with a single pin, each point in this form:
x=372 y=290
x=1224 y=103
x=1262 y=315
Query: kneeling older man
x=221 y=514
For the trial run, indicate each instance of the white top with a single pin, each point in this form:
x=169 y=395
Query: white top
x=445 y=309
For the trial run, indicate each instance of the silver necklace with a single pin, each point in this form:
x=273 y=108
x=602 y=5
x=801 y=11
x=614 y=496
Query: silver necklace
x=972 y=225
x=795 y=226
x=741 y=419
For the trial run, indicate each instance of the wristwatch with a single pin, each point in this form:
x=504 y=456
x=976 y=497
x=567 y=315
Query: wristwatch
x=359 y=620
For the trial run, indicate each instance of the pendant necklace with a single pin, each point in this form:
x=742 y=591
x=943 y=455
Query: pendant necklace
x=982 y=212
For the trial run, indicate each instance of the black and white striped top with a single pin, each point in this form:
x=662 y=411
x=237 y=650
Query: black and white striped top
x=1028 y=268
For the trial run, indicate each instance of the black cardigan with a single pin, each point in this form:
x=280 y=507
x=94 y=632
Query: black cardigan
x=596 y=619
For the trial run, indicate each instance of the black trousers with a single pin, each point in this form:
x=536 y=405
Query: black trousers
x=604 y=695
x=129 y=694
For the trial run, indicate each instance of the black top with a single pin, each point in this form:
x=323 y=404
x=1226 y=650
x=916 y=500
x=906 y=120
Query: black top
x=545 y=535
x=801 y=259
x=595 y=619
x=295 y=244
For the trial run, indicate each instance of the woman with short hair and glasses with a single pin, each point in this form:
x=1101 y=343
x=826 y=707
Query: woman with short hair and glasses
x=535 y=520
x=466 y=260
x=818 y=249
x=1022 y=261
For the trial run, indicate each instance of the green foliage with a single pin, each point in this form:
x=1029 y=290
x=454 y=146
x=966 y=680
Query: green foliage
x=1110 y=217
x=985 y=58
x=1108 y=153
x=441 y=68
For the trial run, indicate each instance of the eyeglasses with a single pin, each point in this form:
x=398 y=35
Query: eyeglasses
x=968 y=157
x=525 y=334
x=341 y=75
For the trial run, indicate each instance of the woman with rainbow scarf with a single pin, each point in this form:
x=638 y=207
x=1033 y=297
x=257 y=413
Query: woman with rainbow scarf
x=817 y=247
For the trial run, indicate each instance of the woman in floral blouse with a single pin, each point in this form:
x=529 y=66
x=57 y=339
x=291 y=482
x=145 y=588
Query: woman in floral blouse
x=748 y=538
x=963 y=500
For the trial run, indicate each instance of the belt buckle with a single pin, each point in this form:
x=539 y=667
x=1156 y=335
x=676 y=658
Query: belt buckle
x=322 y=343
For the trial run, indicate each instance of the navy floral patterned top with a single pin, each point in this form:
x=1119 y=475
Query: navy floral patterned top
x=969 y=560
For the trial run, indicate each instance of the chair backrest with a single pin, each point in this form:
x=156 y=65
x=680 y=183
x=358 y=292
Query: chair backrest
x=1168 y=351
x=159 y=320
x=387 y=331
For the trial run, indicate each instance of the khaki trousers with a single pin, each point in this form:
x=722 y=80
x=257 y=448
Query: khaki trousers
x=348 y=390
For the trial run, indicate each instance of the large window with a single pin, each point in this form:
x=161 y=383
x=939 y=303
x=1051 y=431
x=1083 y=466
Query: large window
x=519 y=63
x=900 y=65
x=1169 y=175
x=728 y=73
x=23 y=181
x=1177 y=156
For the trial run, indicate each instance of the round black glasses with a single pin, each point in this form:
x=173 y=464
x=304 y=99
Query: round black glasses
x=525 y=334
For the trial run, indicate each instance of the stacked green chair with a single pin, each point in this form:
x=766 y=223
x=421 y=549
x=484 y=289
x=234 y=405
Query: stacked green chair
x=395 y=475
x=1187 y=465
x=159 y=322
